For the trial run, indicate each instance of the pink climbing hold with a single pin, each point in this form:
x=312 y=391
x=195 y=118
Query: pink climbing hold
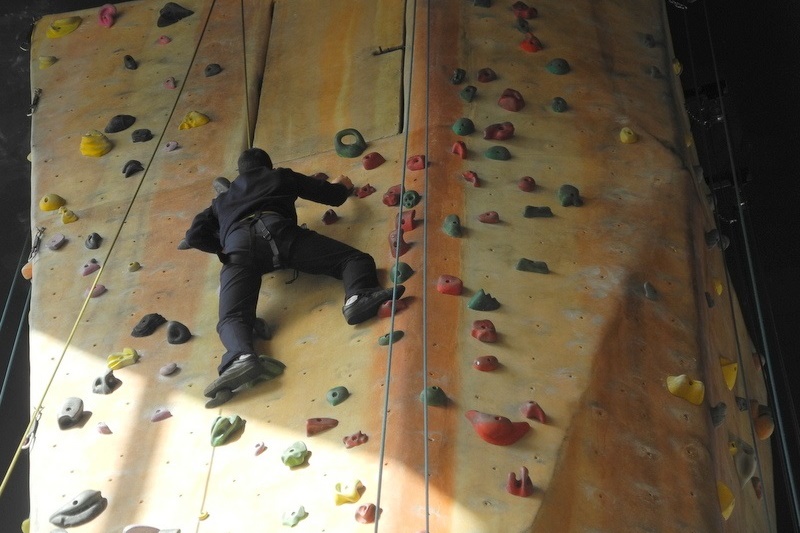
x=486 y=363
x=416 y=162
x=103 y=428
x=164 y=39
x=259 y=448
x=511 y=100
x=356 y=439
x=533 y=411
x=329 y=217
x=170 y=83
x=364 y=191
x=460 y=149
x=471 y=177
x=451 y=285
x=318 y=425
x=96 y=291
x=531 y=43
x=526 y=184
x=372 y=160
x=522 y=11
x=107 y=15
x=406 y=220
x=392 y=196
x=91 y=266
x=396 y=241
x=499 y=132
x=496 y=429
x=160 y=414
x=385 y=310
x=366 y=514
x=489 y=217
x=484 y=331
x=522 y=486
x=485 y=75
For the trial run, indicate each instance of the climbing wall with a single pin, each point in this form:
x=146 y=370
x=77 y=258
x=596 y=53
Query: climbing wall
x=580 y=264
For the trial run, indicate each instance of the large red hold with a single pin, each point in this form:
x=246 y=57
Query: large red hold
x=372 y=160
x=486 y=363
x=416 y=162
x=318 y=425
x=484 y=331
x=396 y=243
x=449 y=285
x=520 y=487
x=392 y=196
x=496 y=429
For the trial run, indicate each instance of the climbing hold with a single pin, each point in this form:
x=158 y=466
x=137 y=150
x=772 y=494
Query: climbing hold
x=484 y=331
x=496 y=429
x=718 y=288
x=329 y=217
x=460 y=149
x=530 y=43
x=499 y=132
x=726 y=500
x=372 y=160
x=763 y=422
x=449 y=285
x=160 y=414
x=416 y=162
x=130 y=63
x=212 y=69
x=452 y=226
x=468 y=93
x=224 y=427
x=126 y=357
x=315 y=426
x=56 y=241
x=27 y=270
x=390 y=338
x=356 y=439
x=349 y=150
x=103 y=428
x=628 y=136
x=259 y=448
x=261 y=329
x=337 y=395
x=168 y=369
x=141 y=135
x=511 y=100
x=164 y=39
x=385 y=310
x=193 y=119
x=684 y=387
x=559 y=105
x=558 y=66
x=170 y=83
x=529 y=265
x=406 y=220
x=62 y=27
x=366 y=514
x=534 y=411
x=107 y=15
x=489 y=217
x=458 y=76
x=569 y=195
x=397 y=245
x=486 y=363
x=410 y=199
x=171 y=146
x=132 y=167
x=471 y=176
x=147 y=325
x=81 y=509
x=119 y=123
x=522 y=25
x=709 y=300
x=349 y=492
x=106 y=384
x=172 y=13
x=521 y=10
x=94 y=144
x=729 y=371
x=295 y=455
x=537 y=212
x=95 y=291
x=649 y=291
x=520 y=487
x=400 y=272
x=70 y=413
x=743 y=459
x=46 y=61
x=434 y=396
x=654 y=72
x=292 y=518
x=93 y=241
x=67 y=216
x=51 y=202
x=497 y=153
x=648 y=40
x=364 y=190
x=463 y=126
x=392 y=196
x=177 y=333
x=482 y=301
x=718 y=413
x=133 y=266
x=485 y=75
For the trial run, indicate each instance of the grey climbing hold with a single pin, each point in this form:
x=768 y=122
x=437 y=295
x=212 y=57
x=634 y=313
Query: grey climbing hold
x=337 y=395
x=709 y=300
x=93 y=241
x=529 y=265
x=497 y=153
x=715 y=238
x=119 y=123
x=221 y=185
x=183 y=245
x=537 y=212
x=147 y=325
x=558 y=66
x=649 y=291
x=172 y=13
x=168 y=369
x=434 y=396
x=463 y=126
x=177 y=333
x=468 y=93
x=559 y=105
x=654 y=72
x=130 y=63
x=132 y=167
x=106 y=384
x=452 y=226
x=70 y=413
x=212 y=69
x=458 y=76
x=350 y=150
x=400 y=272
x=141 y=135
x=569 y=195
x=718 y=413
x=410 y=199
x=81 y=509
x=483 y=301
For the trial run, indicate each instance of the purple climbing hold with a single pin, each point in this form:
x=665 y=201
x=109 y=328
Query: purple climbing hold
x=91 y=266
x=171 y=146
x=96 y=291
x=56 y=241
x=147 y=325
x=159 y=415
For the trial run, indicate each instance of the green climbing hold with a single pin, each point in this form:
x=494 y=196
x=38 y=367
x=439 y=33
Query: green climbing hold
x=452 y=226
x=390 y=338
x=400 y=272
x=224 y=427
x=568 y=195
x=337 y=395
x=410 y=199
x=532 y=211
x=558 y=66
x=498 y=153
x=483 y=301
x=559 y=105
x=350 y=150
x=468 y=93
x=272 y=367
x=529 y=265
x=463 y=126
x=292 y=518
x=295 y=455
x=433 y=396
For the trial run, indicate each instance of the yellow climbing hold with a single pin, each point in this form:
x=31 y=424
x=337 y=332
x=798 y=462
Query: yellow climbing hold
x=26 y=526
x=729 y=372
x=127 y=357
x=677 y=66
x=203 y=515
x=688 y=140
x=726 y=500
x=46 y=61
x=349 y=492
x=684 y=387
x=51 y=202
x=62 y=27
x=193 y=119
x=718 y=287
x=628 y=136
x=67 y=215
x=94 y=144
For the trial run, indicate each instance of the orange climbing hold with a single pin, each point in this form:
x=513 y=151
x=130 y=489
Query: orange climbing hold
x=484 y=331
x=496 y=429
x=416 y=162
x=460 y=149
x=406 y=220
x=520 y=487
x=449 y=285
x=531 y=43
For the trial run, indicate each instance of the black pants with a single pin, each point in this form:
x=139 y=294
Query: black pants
x=301 y=249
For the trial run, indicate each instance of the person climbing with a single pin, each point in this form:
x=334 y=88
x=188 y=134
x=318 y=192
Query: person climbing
x=252 y=227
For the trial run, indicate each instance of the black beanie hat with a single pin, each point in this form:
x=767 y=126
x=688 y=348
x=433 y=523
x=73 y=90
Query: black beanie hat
x=253 y=158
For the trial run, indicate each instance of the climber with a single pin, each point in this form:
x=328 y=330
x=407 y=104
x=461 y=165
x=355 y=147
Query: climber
x=252 y=227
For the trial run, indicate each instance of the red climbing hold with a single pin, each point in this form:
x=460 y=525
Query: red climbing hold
x=485 y=75
x=521 y=10
x=526 y=184
x=499 y=132
x=496 y=429
x=531 y=43
x=318 y=425
x=107 y=15
x=396 y=241
x=471 y=177
x=329 y=217
x=372 y=160
x=533 y=411
x=522 y=486
x=392 y=196
x=489 y=217
x=416 y=162
x=486 y=363
x=364 y=191
x=449 y=285
x=484 y=331
x=356 y=439
x=385 y=310
x=406 y=220
x=460 y=149
x=511 y=100
x=366 y=513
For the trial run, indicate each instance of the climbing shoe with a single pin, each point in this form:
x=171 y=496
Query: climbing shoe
x=362 y=307
x=242 y=371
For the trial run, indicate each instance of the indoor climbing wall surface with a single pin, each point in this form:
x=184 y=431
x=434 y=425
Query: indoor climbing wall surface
x=593 y=301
